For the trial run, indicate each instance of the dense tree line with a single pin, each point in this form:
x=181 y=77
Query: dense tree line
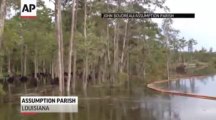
x=79 y=46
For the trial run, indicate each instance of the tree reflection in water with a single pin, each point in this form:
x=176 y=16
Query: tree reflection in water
x=122 y=103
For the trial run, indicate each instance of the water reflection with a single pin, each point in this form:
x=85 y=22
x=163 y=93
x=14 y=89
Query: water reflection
x=199 y=85
x=130 y=103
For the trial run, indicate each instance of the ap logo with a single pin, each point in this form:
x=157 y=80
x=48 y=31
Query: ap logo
x=28 y=8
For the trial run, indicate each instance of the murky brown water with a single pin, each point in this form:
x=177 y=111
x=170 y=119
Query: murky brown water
x=130 y=103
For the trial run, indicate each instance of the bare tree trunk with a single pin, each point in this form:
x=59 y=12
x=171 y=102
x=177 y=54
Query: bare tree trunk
x=85 y=82
x=114 y=56
x=58 y=25
x=74 y=70
x=168 y=61
x=2 y=19
x=71 y=45
x=108 y=46
x=62 y=59
x=44 y=71
x=123 y=48
x=167 y=65
x=52 y=70
x=117 y=49
x=108 y=67
x=21 y=60
x=9 y=64
x=108 y=54
x=25 y=61
x=105 y=71
x=75 y=53
x=35 y=66
x=115 y=53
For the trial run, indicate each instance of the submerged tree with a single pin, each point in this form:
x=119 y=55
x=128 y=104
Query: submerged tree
x=71 y=47
x=59 y=38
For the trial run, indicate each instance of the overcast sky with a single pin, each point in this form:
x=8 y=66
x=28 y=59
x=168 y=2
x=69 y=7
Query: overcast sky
x=201 y=28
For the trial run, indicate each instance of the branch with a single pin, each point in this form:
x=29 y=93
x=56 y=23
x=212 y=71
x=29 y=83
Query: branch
x=52 y=1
